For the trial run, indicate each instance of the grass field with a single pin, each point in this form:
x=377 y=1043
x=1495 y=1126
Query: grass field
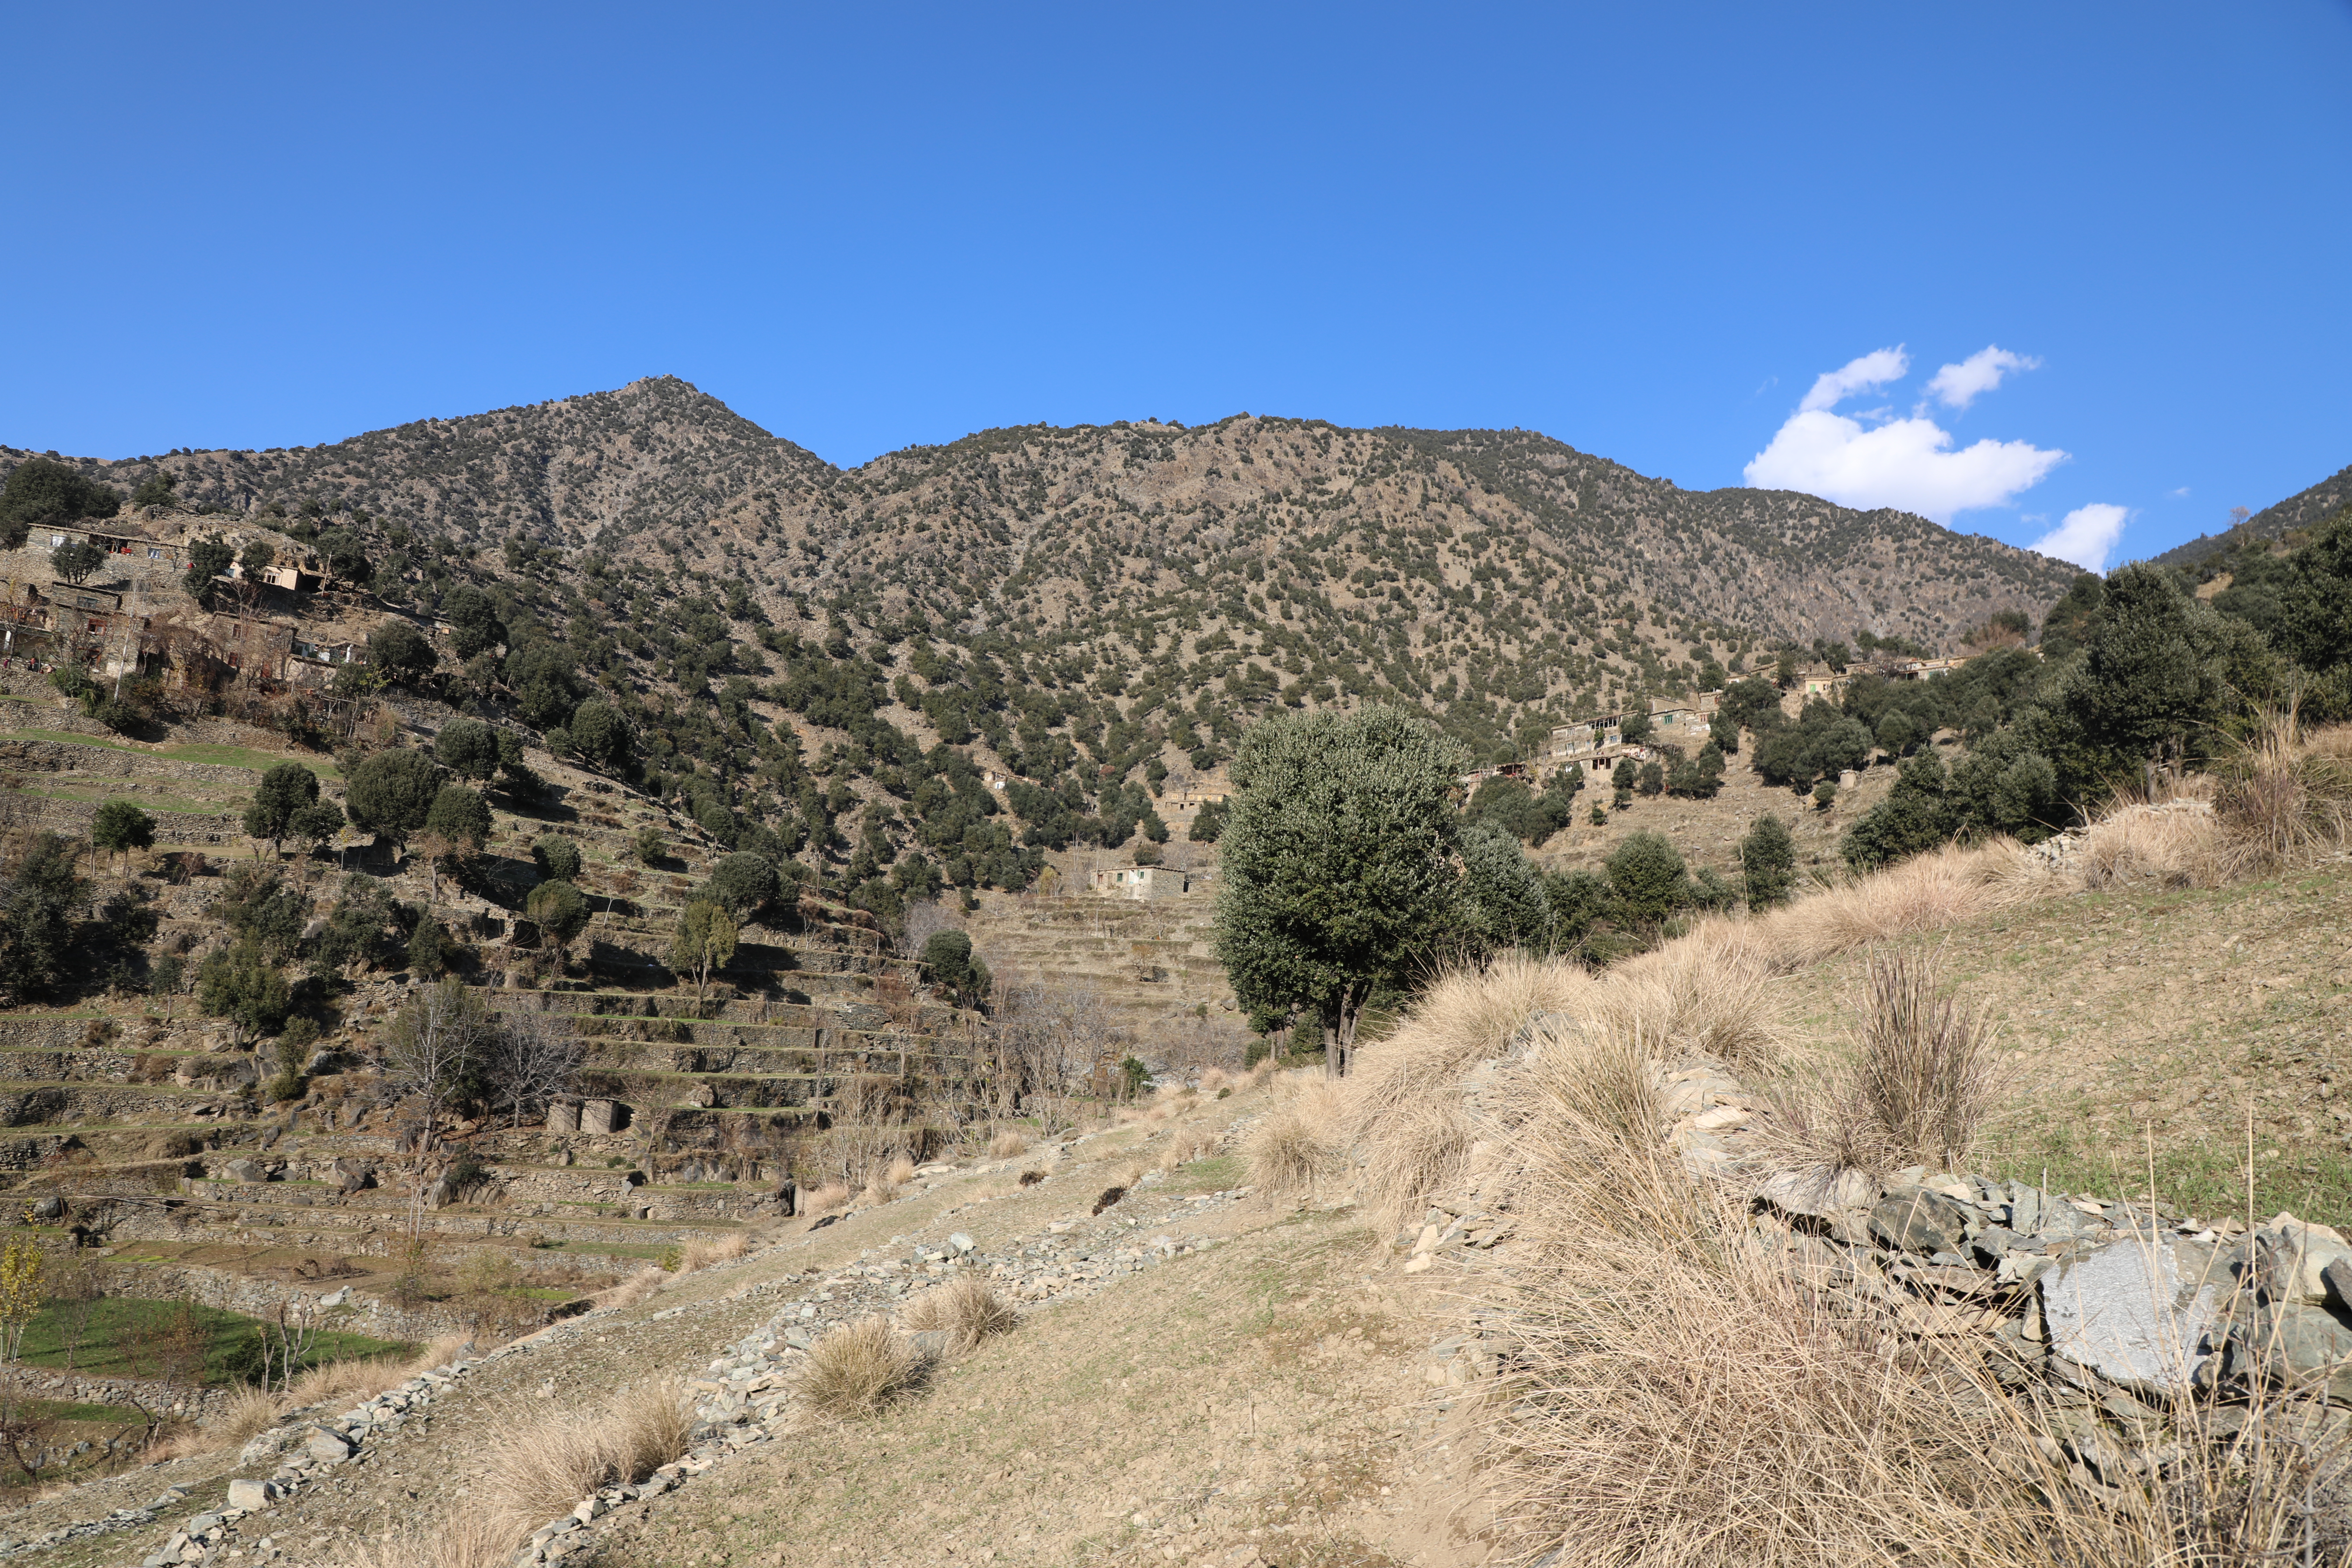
x=118 y=1340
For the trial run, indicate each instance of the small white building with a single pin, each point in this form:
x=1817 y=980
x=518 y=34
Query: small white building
x=1142 y=882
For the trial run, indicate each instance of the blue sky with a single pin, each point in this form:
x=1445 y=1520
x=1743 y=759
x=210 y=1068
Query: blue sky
x=1650 y=231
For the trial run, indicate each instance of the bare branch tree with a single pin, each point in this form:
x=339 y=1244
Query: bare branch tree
x=533 y=1058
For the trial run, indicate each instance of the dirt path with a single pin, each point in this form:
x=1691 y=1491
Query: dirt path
x=1264 y=1396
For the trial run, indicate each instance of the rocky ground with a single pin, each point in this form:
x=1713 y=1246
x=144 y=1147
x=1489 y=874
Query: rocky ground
x=1198 y=1375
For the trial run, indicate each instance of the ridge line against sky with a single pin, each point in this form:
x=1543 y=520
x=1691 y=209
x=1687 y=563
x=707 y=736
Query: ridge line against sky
x=2112 y=232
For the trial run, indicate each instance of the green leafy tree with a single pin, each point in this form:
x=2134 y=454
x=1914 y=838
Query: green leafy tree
x=208 y=559
x=474 y=623
x=561 y=913
x=600 y=736
x=399 y=653
x=457 y=826
x=155 y=489
x=40 y=492
x=744 y=884
x=703 y=942
x=316 y=825
x=557 y=857
x=241 y=984
x=1634 y=729
x=1648 y=877
x=258 y=558
x=468 y=748
x=2316 y=603
x=37 y=894
x=1501 y=903
x=347 y=556
x=2062 y=629
x=261 y=909
x=74 y=563
x=285 y=789
x=949 y=961
x=1767 y=863
x=1337 y=860
x=392 y=793
x=119 y=827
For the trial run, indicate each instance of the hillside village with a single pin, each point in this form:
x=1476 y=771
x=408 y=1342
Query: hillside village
x=476 y=954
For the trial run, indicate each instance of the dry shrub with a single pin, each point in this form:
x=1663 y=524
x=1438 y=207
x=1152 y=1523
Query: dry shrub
x=1403 y=1108
x=702 y=1252
x=1924 y=893
x=857 y=1370
x=1007 y=1144
x=825 y=1199
x=463 y=1540
x=1707 y=994
x=901 y=1172
x=1918 y=1090
x=2287 y=798
x=1213 y=1080
x=1679 y=1400
x=545 y=1467
x=2176 y=844
x=965 y=1309
x=1300 y=1144
x=249 y=1412
x=880 y=1190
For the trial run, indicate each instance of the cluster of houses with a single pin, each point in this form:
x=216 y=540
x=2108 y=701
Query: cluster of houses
x=129 y=624
x=1684 y=721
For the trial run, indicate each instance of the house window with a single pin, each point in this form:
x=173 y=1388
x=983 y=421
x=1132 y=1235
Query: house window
x=55 y=540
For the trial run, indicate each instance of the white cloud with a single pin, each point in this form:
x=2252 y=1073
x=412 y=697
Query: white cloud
x=2086 y=536
x=1958 y=385
x=2180 y=494
x=1872 y=370
x=1907 y=463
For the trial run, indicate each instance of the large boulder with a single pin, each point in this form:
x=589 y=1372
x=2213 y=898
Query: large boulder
x=350 y=1174
x=1916 y=1219
x=2297 y=1256
x=2132 y=1313
x=247 y=1170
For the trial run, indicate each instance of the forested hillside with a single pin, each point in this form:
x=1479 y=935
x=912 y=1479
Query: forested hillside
x=654 y=583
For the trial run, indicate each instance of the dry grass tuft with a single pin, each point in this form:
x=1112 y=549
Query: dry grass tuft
x=2287 y=798
x=2172 y=844
x=465 y=1539
x=857 y=1370
x=1300 y=1144
x=1680 y=1400
x=1186 y=1144
x=1923 y=894
x=703 y=1252
x=545 y=1467
x=1919 y=1088
x=965 y=1309
x=645 y=1282
x=1403 y=1109
x=249 y=1413
x=825 y=1199
x=901 y=1172
x=1007 y=1145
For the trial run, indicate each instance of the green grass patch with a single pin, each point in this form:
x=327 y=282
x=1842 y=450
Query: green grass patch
x=104 y=1415
x=123 y=1338
x=1217 y=1173
x=244 y=757
x=2203 y=1177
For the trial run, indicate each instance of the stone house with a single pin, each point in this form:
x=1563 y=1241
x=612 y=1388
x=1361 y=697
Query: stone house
x=1139 y=882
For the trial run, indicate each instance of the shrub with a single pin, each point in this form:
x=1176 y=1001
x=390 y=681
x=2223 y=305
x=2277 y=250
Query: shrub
x=857 y=1370
x=557 y=857
x=1647 y=875
x=391 y=793
x=1768 y=861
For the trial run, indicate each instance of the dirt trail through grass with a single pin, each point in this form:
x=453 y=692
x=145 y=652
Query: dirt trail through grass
x=1264 y=1397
